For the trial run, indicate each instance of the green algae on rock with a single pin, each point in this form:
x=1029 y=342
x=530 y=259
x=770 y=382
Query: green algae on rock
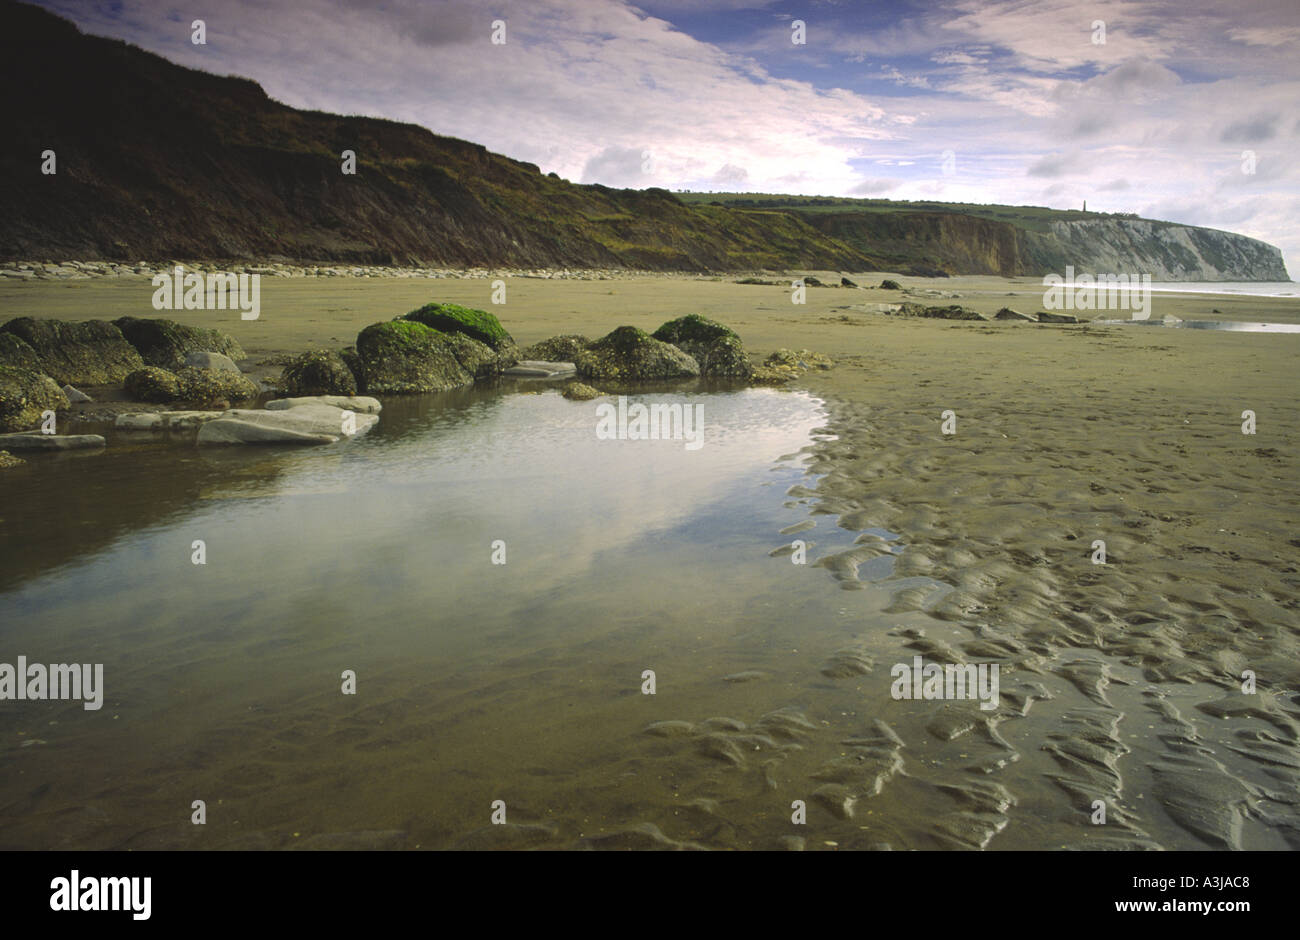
x=562 y=348
x=453 y=318
x=630 y=354
x=92 y=352
x=15 y=351
x=24 y=395
x=203 y=386
x=319 y=372
x=717 y=348
x=405 y=357
x=577 y=391
x=167 y=343
x=152 y=384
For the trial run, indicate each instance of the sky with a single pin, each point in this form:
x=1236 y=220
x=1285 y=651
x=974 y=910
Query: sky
x=1182 y=110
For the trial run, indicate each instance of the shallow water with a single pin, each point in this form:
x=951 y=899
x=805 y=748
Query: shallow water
x=476 y=681
x=523 y=682
x=1236 y=326
x=1251 y=288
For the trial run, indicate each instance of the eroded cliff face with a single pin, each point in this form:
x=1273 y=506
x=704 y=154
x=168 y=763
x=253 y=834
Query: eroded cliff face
x=953 y=243
x=926 y=242
x=1165 y=251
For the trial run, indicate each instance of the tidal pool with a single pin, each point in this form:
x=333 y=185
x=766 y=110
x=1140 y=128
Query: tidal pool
x=476 y=680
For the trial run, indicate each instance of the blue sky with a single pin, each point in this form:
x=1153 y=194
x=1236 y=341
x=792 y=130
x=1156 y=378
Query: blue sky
x=1009 y=101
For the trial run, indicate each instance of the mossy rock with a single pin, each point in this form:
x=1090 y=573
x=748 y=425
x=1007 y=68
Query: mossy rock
x=206 y=386
x=887 y=284
x=319 y=372
x=15 y=351
x=167 y=343
x=952 y=312
x=401 y=357
x=478 y=359
x=92 y=352
x=801 y=360
x=563 y=348
x=8 y=460
x=24 y=395
x=577 y=391
x=630 y=354
x=725 y=358
x=152 y=384
x=692 y=328
x=453 y=318
x=716 y=348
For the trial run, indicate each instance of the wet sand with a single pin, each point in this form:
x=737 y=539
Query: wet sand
x=1120 y=682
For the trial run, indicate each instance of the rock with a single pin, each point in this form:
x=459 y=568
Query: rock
x=716 y=348
x=726 y=358
x=1056 y=318
x=24 y=395
x=810 y=281
x=152 y=384
x=693 y=330
x=211 y=360
x=785 y=365
x=537 y=369
x=478 y=359
x=14 y=351
x=952 y=312
x=630 y=354
x=35 y=440
x=845 y=282
x=403 y=357
x=563 y=348
x=75 y=396
x=890 y=285
x=453 y=318
x=358 y=403
x=318 y=373
x=92 y=352
x=208 y=385
x=7 y=460
x=576 y=391
x=1006 y=313
x=168 y=344
x=164 y=420
x=305 y=424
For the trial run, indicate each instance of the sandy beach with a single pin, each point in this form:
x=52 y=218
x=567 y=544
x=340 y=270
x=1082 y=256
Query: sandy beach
x=1121 y=682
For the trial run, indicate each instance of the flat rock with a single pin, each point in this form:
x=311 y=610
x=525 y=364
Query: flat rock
x=306 y=424
x=541 y=369
x=34 y=440
x=76 y=396
x=164 y=420
x=360 y=404
x=1056 y=318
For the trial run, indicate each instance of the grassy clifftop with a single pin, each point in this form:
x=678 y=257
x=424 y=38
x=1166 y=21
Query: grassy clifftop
x=159 y=161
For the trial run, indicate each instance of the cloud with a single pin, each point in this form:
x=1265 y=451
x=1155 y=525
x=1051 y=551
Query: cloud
x=622 y=167
x=1018 y=90
x=872 y=187
x=1251 y=130
x=1054 y=164
x=730 y=175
